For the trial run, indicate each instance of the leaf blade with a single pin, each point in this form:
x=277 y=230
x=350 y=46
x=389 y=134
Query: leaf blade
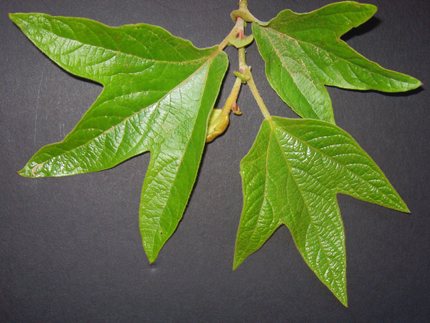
x=306 y=163
x=303 y=52
x=162 y=106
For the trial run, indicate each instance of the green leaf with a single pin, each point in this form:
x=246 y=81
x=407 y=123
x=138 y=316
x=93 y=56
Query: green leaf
x=304 y=52
x=291 y=176
x=158 y=93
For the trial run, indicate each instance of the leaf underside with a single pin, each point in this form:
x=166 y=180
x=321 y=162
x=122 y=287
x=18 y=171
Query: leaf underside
x=291 y=176
x=157 y=96
x=304 y=52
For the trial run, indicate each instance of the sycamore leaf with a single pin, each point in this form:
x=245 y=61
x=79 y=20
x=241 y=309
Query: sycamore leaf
x=304 y=52
x=158 y=93
x=291 y=176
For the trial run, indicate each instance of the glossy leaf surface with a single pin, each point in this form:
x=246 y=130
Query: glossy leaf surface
x=157 y=96
x=291 y=176
x=304 y=52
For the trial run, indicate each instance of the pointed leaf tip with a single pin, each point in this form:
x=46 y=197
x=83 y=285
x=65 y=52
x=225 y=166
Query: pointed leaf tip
x=236 y=262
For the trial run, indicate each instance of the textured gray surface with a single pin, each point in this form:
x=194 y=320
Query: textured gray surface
x=70 y=248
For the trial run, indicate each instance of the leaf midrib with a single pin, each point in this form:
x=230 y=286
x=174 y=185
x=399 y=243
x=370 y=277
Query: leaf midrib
x=184 y=152
x=119 y=52
x=288 y=70
x=343 y=166
x=272 y=127
x=348 y=63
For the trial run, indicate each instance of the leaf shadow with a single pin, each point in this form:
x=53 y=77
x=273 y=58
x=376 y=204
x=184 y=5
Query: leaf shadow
x=362 y=29
x=403 y=94
x=389 y=94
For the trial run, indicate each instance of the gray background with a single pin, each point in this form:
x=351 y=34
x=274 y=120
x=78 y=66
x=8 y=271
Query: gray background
x=70 y=248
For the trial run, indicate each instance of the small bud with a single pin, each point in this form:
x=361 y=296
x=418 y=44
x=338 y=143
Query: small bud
x=236 y=110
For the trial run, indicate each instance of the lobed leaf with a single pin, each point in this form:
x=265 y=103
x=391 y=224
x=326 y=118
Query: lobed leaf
x=291 y=176
x=304 y=52
x=158 y=93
